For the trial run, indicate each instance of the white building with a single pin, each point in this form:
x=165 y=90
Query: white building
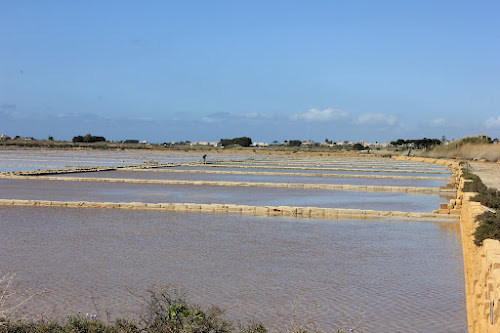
x=260 y=144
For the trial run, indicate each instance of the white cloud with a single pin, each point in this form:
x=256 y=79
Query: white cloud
x=438 y=122
x=376 y=119
x=318 y=115
x=255 y=115
x=493 y=122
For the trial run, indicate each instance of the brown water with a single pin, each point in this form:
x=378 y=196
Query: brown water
x=381 y=276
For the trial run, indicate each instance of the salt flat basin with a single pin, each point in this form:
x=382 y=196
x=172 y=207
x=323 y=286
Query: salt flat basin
x=57 y=159
x=11 y=168
x=386 y=276
x=388 y=165
x=256 y=178
x=259 y=196
x=373 y=172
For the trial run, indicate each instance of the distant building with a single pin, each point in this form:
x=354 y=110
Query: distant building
x=204 y=143
x=260 y=144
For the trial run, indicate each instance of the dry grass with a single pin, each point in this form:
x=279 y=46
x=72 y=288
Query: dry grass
x=12 y=298
x=468 y=151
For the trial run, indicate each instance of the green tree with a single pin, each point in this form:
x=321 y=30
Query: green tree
x=358 y=146
x=242 y=141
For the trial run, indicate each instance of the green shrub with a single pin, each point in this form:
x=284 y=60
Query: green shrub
x=168 y=311
x=489 y=228
x=489 y=223
x=253 y=328
x=10 y=326
x=85 y=324
x=489 y=197
x=476 y=184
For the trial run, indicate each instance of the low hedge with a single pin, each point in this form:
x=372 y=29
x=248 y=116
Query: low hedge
x=489 y=223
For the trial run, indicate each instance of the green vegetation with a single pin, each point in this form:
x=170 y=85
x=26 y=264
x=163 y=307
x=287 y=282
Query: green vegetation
x=88 y=138
x=416 y=143
x=359 y=146
x=294 y=143
x=489 y=223
x=489 y=228
x=165 y=310
x=243 y=142
x=475 y=184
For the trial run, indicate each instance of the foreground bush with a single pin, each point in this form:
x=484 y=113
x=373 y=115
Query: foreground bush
x=475 y=183
x=489 y=223
x=165 y=310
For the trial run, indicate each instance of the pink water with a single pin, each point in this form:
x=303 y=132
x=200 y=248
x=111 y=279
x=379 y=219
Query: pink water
x=380 y=276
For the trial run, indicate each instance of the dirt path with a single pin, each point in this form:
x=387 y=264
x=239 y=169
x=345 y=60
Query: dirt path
x=489 y=172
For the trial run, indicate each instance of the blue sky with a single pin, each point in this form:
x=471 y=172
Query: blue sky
x=272 y=70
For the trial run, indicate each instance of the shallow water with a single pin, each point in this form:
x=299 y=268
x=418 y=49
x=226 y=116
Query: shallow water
x=376 y=276
x=32 y=159
x=256 y=178
x=373 y=172
x=28 y=189
x=380 y=276
x=388 y=167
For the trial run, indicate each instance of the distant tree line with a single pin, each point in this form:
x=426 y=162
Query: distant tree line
x=243 y=141
x=418 y=143
x=359 y=146
x=88 y=138
x=294 y=143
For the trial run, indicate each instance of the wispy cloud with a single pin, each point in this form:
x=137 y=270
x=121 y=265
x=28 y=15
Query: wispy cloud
x=7 y=106
x=255 y=115
x=250 y=115
x=224 y=116
x=376 y=119
x=493 y=122
x=438 y=122
x=320 y=115
x=215 y=117
x=18 y=115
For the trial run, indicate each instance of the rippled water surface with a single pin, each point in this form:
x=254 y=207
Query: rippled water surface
x=255 y=196
x=258 y=178
x=33 y=159
x=373 y=172
x=376 y=276
x=381 y=276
